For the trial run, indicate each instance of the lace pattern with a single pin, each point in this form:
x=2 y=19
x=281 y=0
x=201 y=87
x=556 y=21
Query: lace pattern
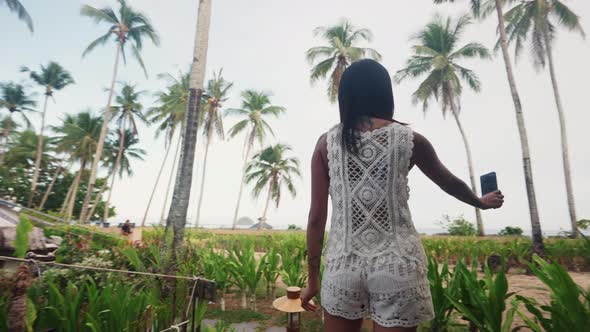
x=374 y=259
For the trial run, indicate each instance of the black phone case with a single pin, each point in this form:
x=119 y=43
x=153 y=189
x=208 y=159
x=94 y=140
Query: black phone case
x=489 y=183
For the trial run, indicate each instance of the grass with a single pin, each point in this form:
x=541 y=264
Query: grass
x=236 y=316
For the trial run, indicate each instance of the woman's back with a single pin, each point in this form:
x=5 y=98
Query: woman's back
x=369 y=191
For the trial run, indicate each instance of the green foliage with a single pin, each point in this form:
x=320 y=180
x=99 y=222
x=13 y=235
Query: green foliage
x=292 y=272
x=483 y=302
x=443 y=287
x=458 y=226
x=293 y=227
x=569 y=309
x=511 y=231
x=245 y=270
x=583 y=223
x=21 y=242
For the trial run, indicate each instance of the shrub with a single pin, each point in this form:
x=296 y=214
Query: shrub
x=511 y=231
x=458 y=226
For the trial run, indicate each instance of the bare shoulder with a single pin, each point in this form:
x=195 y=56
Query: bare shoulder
x=422 y=150
x=321 y=146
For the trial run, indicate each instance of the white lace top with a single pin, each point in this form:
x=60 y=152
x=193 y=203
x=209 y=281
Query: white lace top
x=372 y=231
x=369 y=191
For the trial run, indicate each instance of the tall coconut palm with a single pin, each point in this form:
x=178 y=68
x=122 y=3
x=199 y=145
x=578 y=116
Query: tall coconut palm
x=19 y=9
x=271 y=169
x=481 y=9
x=8 y=131
x=52 y=78
x=182 y=188
x=15 y=99
x=130 y=28
x=168 y=115
x=537 y=21
x=126 y=114
x=78 y=137
x=342 y=50
x=437 y=57
x=213 y=99
x=118 y=156
x=256 y=106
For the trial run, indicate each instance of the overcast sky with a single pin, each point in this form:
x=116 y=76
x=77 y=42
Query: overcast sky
x=261 y=44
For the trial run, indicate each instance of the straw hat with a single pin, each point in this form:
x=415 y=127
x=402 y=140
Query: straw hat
x=291 y=302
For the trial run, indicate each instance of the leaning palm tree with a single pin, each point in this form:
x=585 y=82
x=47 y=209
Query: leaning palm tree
x=537 y=20
x=168 y=115
x=481 y=9
x=271 y=169
x=118 y=157
x=78 y=137
x=256 y=106
x=342 y=50
x=437 y=57
x=182 y=187
x=15 y=99
x=213 y=99
x=130 y=28
x=52 y=78
x=19 y=9
x=126 y=114
x=24 y=149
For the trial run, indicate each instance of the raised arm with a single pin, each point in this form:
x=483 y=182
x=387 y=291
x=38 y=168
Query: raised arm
x=427 y=161
x=316 y=224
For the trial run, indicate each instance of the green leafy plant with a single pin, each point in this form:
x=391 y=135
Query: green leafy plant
x=443 y=286
x=270 y=271
x=246 y=273
x=483 y=302
x=21 y=242
x=569 y=309
x=292 y=271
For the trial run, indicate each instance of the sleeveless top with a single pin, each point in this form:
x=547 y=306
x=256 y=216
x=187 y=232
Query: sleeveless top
x=370 y=214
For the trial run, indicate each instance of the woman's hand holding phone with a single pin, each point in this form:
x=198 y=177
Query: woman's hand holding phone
x=492 y=200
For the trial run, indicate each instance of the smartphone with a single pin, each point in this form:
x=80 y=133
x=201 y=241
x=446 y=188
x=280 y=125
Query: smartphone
x=489 y=183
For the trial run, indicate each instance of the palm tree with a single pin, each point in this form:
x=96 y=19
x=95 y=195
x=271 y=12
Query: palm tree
x=255 y=106
x=271 y=169
x=128 y=27
x=78 y=137
x=480 y=9
x=169 y=115
x=535 y=20
x=19 y=9
x=118 y=156
x=24 y=149
x=437 y=56
x=15 y=99
x=214 y=97
x=341 y=52
x=125 y=114
x=182 y=187
x=8 y=131
x=53 y=78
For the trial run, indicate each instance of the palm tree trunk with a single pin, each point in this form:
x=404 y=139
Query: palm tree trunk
x=74 y=194
x=202 y=190
x=97 y=199
x=50 y=188
x=263 y=219
x=115 y=168
x=103 y=135
x=571 y=204
x=480 y=230
x=248 y=148
x=182 y=188
x=5 y=134
x=170 y=180
x=537 y=235
x=147 y=209
x=39 y=154
x=67 y=198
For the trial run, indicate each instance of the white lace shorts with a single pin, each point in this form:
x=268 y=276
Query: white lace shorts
x=390 y=294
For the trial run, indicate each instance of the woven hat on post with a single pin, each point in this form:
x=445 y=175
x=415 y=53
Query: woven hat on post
x=291 y=302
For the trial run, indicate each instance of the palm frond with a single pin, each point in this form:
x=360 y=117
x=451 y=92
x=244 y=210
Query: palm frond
x=21 y=12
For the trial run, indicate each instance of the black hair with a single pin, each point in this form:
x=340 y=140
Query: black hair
x=365 y=92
